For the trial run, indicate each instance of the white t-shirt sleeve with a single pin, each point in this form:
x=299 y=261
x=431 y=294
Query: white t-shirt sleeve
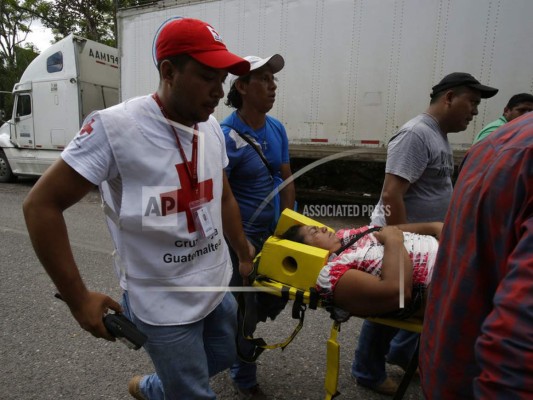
x=90 y=154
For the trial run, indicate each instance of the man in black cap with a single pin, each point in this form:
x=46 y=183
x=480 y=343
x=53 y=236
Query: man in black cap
x=417 y=188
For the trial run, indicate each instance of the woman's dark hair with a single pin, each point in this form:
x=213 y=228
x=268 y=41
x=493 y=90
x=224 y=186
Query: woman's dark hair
x=234 y=98
x=294 y=233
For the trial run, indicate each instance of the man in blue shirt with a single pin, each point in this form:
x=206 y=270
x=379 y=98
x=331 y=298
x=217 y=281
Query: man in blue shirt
x=258 y=153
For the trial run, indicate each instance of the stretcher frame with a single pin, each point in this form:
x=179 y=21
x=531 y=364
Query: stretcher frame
x=307 y=297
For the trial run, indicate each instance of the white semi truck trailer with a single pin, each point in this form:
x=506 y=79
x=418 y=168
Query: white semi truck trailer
x=56 y=92
x=355 y=70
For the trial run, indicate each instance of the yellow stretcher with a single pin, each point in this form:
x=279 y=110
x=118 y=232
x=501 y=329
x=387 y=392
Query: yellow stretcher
x=289 y=269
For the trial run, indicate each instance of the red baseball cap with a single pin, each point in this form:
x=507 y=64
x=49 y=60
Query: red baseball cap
x=200 y=41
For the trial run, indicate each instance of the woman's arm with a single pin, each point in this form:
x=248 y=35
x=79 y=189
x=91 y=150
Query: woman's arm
x=363 y=294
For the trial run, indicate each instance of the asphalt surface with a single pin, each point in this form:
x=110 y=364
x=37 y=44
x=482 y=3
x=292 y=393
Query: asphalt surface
x=44 y=354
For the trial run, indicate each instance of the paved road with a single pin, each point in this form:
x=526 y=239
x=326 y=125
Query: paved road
x=44 y=354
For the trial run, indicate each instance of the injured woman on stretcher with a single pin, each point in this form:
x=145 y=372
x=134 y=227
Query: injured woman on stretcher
x=364 y=278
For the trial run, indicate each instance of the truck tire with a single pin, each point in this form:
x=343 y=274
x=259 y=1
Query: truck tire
x=6 y=175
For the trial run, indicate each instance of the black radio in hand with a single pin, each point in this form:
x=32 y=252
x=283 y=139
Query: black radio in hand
x=124 y=330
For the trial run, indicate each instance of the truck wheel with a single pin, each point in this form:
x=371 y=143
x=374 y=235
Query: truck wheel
x=6 y=175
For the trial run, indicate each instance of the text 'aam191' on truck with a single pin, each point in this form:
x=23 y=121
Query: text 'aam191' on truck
x=59 y=88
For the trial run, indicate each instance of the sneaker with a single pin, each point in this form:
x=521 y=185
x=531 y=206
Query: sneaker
x=388 y=387
x=134 y=388
x=253 y=393
x=404 y=369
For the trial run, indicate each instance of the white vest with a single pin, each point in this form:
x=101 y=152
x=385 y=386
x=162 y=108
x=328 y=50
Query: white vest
x=173 y=276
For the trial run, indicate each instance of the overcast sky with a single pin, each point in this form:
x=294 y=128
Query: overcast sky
x=40 y=36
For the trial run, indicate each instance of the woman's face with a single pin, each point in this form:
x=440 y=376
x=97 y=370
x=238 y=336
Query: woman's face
x=320 y=237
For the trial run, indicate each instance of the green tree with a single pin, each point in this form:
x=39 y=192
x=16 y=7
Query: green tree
x=94 y=20
x=15 y=24
x=90 y=19
x=16 y=18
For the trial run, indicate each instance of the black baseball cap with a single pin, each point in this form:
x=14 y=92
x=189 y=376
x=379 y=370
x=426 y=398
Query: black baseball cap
x=463 y=79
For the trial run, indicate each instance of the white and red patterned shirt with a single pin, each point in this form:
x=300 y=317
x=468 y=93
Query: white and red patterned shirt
x=367 y=255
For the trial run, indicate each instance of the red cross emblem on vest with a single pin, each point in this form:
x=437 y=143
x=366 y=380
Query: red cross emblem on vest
x=179 y=200
x=87 y=128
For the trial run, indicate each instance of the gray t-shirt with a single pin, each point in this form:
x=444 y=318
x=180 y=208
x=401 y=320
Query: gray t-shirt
x=420 y=153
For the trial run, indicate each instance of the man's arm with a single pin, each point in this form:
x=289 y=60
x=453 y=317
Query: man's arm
x=232 y=225
x=394 y=188
x=58 y=189
x=288 y=193
x=503 y=348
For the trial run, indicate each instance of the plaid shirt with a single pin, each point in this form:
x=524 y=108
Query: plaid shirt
x=477 y=340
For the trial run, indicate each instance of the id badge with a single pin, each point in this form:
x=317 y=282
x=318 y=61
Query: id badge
x=202 y=218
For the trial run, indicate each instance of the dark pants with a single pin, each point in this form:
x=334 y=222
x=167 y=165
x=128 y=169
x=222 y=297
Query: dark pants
x=379 y=344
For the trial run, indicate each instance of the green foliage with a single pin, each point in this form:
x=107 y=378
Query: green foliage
x=90 y=19
x=15 y=24
x=15 y=21
x=94 y=20
x=9 y=75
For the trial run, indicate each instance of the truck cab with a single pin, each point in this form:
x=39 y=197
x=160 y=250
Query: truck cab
x=60 y=87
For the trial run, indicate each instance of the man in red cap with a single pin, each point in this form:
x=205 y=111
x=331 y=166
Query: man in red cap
x=159 y=162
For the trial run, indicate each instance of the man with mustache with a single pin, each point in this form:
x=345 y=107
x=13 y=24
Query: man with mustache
x=258 y=152
x=159 y=161
x=417 y=188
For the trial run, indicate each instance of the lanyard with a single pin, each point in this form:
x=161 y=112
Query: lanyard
x=191 y=167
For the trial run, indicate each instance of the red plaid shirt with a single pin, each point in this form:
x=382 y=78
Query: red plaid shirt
x=477 y=340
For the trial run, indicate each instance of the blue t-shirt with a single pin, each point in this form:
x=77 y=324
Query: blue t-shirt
x=249 y=178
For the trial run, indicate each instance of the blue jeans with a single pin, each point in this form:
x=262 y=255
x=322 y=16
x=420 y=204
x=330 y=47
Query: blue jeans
x=185 y=356
x=243 y=373
x=377 y=344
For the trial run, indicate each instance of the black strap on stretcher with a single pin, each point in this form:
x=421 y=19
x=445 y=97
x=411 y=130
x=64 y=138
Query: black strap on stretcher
x=302 y=299
x=356 y=238
x=247 y=318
